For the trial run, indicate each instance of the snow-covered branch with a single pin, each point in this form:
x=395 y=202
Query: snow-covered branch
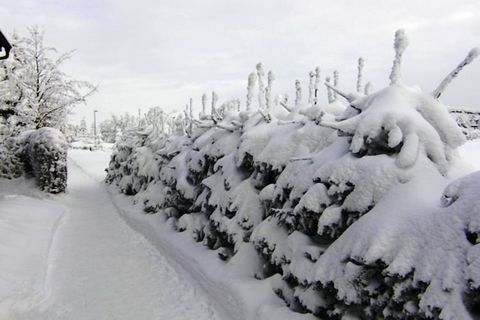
x=400 y=44
x=475 y=52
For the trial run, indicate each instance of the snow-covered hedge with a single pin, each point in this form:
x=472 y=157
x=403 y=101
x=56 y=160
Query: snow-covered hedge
x=46 y=157
x=340 y=201
x=41 y=153
x=469 y=122
x=11 y=157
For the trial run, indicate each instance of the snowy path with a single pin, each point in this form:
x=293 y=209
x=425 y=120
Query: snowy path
x=99 y=268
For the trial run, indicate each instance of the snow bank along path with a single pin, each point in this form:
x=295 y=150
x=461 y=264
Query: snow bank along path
x=97 y=267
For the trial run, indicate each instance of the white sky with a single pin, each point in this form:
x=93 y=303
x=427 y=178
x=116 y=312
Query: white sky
x=148 y=53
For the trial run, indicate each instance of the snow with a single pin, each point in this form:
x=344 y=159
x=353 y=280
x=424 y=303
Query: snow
x=79 y=251
x=73 y=257
x=400 y=44
x=26 y=237
x=470 y=153
x=403 y=112
x=231 y=285
x=425 y=234
x=90 y=254
x=311 y=203
x=357 y=210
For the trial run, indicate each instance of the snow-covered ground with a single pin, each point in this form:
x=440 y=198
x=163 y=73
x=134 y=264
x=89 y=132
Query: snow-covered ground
x=73 y=257
x=89 y=254
x=236 y=293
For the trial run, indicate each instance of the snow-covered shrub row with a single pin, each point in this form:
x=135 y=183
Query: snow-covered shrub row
x=468 y=122
x=41 y=153
x=340 y=200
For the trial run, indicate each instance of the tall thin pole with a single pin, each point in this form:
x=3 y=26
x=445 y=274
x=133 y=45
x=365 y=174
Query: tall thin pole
x=95 y=127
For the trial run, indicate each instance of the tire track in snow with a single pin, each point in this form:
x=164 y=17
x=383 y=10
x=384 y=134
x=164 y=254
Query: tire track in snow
x=47 y=282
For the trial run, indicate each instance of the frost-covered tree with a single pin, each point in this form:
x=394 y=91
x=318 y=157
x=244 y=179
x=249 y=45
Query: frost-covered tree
x=190 y=103
x=330 y=97
x=252 y=79
x=214 y=103
x=400 y=44
x=311 y=87
x=360 y=66
x=335 y=84
x=110 y=127
x=83 y=127
x=189 y=117
x=317 y=84
x=298 y=93
x=261 y=86
x=47 y=93
x=268 y=90
x=204 y=106
x=156 y=118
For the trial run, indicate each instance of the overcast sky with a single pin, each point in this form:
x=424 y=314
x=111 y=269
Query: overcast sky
x=147 y=53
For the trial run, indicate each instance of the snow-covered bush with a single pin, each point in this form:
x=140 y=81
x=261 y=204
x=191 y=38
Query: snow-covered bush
x=338 y=199
x=415 y=259
x=11 y=157
x=46 y=158
x=40 y=153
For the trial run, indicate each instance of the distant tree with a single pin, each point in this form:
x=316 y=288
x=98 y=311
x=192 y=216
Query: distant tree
x=329 y=91
x=298 y=92
x=204 y=106
x=317 y=84
x=261 y=86
x=311 y=87
x=335 y=84
x=157 y=118
x=252 y=78
x=214 y=102
x=361 y=63
x=108 y=130
x=401 y=42
x=268 y=90
x=83 y=127
x=111 y=127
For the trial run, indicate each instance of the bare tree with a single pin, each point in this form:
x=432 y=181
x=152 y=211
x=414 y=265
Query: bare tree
x=298 y=93
x=361 y=63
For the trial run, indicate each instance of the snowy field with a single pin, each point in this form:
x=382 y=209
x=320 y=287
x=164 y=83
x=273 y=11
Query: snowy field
x=90 y=254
